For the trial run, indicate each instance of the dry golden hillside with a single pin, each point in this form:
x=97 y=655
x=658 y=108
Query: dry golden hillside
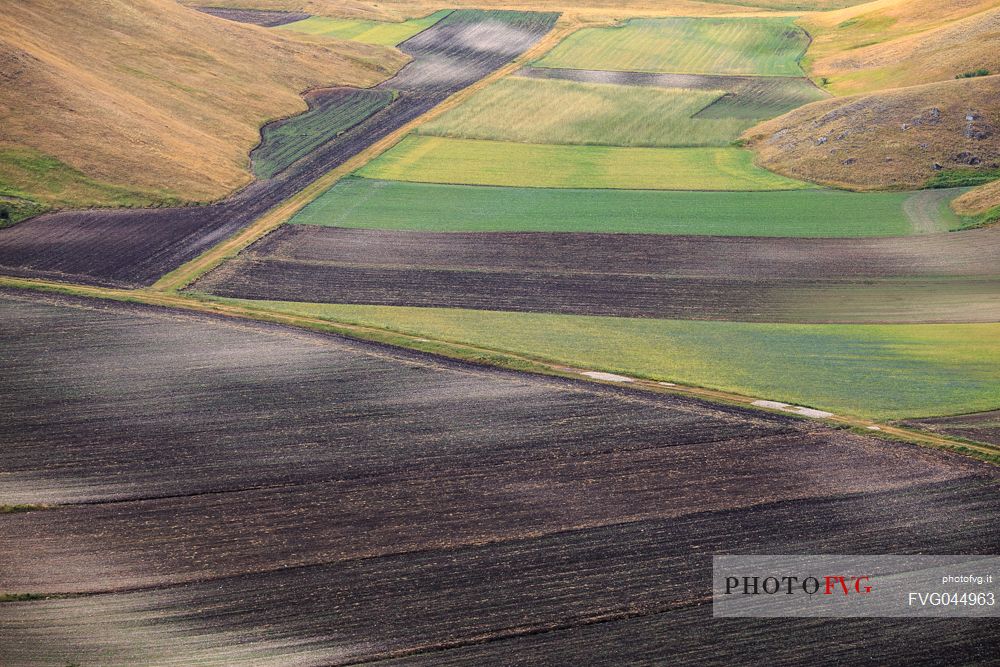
x=893 y=139
x=935 y=54
x=396 y=10
x=148 y=96
x=979 y=200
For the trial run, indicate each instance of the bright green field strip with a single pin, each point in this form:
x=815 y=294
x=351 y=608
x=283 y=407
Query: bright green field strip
x=284 y=143
x=546 y=111
x=762 y=46
x=877 y=371
x=423 y=159
x=370 y=32
x=374 y=204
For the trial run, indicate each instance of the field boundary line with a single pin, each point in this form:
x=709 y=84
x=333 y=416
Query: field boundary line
x=484 y=356
x=189 y=272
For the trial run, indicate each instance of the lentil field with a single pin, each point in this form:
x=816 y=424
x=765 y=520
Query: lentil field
x=396 y=205
x=331 y=113
x=876 y=371
x=537 y=111
x=488 y=517
x=424 y=159
x=371 y=32
x=736 y=46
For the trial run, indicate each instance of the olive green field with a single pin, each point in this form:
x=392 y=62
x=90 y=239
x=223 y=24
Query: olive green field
x=538 y=111
x=424 y=159
x=377 y=204
x=744 y=46
x=878 y=371
x=382 y=33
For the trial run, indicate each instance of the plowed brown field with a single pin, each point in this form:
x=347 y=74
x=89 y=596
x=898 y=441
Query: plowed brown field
x=700 y=277
x=326 y=502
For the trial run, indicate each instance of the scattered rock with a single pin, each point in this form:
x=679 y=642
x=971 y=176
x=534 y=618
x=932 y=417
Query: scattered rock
x=821 y=141
x=979 y=131
x=965 y=157
x=904 y=126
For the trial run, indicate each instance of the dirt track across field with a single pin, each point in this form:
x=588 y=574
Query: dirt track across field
x=330 y=502
x=978 y=426
x=131 y=248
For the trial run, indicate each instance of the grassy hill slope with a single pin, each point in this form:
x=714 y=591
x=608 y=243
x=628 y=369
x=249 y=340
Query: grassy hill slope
x=115 y=102
x=899 y=138
x=855 y=61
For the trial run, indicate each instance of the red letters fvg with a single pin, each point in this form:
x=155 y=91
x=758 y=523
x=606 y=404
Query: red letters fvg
x=786 y=585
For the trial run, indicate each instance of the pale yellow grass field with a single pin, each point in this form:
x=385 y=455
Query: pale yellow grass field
x=937 y=54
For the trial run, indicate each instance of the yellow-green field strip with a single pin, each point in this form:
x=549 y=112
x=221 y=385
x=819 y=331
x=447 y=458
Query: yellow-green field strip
x=485 y=356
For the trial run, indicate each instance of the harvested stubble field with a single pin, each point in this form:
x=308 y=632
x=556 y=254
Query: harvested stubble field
x=738 y=46
x=134 y=247
x=489 y=511
x=427 y=207
x=536 y=111
x=371 y=32
x=332 y=111
x=423 y=159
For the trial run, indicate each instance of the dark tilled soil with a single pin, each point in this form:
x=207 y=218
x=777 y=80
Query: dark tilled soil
x=980 y=426
x=264 y=17
x=597 y=274
x=130 y=248
x=327 y=502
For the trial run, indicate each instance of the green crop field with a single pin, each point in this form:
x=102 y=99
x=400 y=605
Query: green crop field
x=541 y=111
x=425 y=159
x=370 y=32
x=746 y=46
x=375 y=204
x=285 y=142
x=878 y=371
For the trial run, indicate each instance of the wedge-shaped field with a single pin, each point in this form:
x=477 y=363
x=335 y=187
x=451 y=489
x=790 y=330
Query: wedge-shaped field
x=134 y=247
x=747 y=97
x=331 y=112
x=746 y=46
x=375 y=204
x=979 y=426
x=425 y=159
x=869 y=370
x=536 y=111
x=371 y=32
x=262 y=17
x=274 y=525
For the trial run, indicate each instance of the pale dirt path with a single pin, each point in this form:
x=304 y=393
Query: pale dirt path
x=923 y=208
